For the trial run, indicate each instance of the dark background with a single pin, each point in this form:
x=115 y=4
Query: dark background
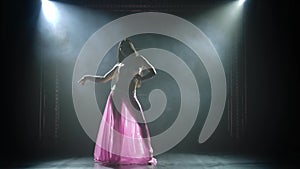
x=271 y=71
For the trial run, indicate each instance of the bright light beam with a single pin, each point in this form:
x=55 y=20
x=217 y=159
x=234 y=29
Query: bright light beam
x=241 y=2
x=50 y=11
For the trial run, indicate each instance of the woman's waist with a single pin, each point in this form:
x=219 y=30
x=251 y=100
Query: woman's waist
x=123 y=92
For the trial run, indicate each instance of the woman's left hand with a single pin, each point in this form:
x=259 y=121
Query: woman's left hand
x=138 y=80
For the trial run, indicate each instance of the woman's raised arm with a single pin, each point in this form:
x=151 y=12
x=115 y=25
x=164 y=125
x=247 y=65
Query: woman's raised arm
x=151 y=70
x=99 y=79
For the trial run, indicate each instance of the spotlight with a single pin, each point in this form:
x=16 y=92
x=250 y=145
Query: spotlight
x=241 y=2
x=50 y=11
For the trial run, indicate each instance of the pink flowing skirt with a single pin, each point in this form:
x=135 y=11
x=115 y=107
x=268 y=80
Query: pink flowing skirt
x=122 y=139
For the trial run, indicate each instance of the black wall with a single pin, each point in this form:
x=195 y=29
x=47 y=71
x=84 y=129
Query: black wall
x=21 y=87
x=272 y=75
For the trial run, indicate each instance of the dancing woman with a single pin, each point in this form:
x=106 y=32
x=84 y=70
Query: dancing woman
x=123 y=136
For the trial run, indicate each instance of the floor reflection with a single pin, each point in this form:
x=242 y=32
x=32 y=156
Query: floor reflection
x=104 y=166
x=164 y=161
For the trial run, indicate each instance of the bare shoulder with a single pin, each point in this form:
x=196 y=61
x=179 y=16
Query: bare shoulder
x=115 y=68
x=118 y=65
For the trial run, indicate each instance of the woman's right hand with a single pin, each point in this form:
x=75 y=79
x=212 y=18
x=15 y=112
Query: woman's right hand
x=82 y=80
x=138 y=80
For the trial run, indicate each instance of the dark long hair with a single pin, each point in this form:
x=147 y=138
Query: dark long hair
x=125 y=48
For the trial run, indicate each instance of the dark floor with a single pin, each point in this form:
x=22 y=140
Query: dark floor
x=165 y=161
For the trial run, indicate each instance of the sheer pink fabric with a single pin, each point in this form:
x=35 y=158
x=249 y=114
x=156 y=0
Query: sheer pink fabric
x=121 y=139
